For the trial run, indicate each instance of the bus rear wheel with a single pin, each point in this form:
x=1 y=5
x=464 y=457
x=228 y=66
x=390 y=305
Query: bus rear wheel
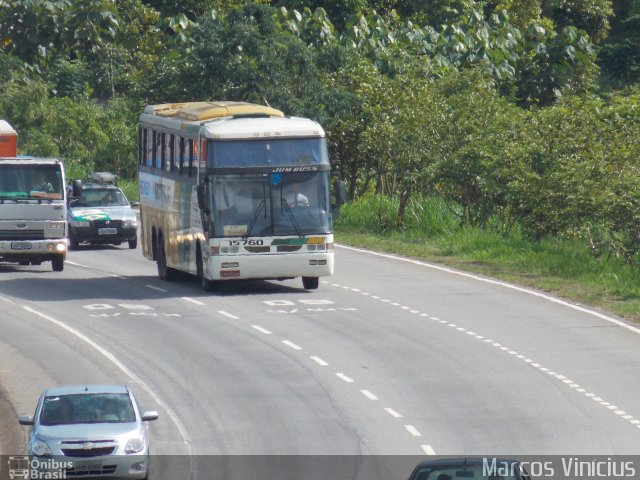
x=165 y=273
x=310 y=283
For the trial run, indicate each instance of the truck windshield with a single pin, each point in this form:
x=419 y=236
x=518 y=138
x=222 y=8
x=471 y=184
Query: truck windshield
x=270 y=204
x=31 y=181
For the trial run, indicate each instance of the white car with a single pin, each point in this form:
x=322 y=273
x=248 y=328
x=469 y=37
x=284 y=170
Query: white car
x=89 y=430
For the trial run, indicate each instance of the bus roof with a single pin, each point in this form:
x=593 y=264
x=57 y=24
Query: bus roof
x=6 y=129
x=256 y=128
x=200 y=111
x=229 y=120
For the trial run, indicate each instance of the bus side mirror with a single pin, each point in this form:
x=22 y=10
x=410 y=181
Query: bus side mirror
x=76 y=188
x=202 y=204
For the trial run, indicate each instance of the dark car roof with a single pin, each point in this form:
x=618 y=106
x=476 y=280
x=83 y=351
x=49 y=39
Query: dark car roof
x=444 y=462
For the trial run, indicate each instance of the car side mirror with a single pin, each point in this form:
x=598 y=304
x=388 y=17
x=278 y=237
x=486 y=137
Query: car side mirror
x=149 y=416
x=25 y=420
x=135 y=204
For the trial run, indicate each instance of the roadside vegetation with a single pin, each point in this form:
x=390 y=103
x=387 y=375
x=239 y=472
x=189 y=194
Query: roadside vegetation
x=498 y=135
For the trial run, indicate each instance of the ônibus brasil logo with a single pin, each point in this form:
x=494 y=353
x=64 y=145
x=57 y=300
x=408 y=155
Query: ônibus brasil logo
x=23 y=467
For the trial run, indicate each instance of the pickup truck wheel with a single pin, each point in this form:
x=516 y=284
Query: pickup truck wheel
x=57 y=263
x=310 y=283
x=133 y=243
x=74 y=244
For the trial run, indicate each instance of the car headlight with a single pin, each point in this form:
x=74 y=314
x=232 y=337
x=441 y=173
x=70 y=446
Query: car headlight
x=79 y=223
x=130 y=222
x=134 y=445
x=40 y=448
x=56 y=225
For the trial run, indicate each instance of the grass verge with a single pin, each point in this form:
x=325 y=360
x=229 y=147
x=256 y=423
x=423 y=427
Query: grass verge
x=562 y=267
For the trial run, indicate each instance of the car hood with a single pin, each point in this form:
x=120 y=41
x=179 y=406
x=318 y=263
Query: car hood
x=101 y=213
x=87 y=431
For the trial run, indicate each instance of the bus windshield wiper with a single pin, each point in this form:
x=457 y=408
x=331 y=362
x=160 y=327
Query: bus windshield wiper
x=255 y=217
x=293 y=218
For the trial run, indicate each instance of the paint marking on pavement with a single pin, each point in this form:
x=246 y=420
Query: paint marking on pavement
x=153 y=287
x=413 y=430
x=290 y=344
x=319 y=361
x=342 y=376
x=227 y=314
x=192 y=300
x=368 y=394
x=392 y=412
x=428 y=449
x=261 y=329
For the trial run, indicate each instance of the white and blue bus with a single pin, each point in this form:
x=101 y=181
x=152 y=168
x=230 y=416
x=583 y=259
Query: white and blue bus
x=232 y=190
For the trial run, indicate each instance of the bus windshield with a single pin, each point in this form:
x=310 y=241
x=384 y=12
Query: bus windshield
x=31 y=181
x=259 y=153
x=270 y=204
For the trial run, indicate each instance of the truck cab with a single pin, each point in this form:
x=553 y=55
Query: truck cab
x=33 y=213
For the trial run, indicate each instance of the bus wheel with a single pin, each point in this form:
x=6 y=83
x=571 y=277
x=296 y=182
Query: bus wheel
x=164 y=272
x=57 y=263
x=310 y=283
x=207 y=285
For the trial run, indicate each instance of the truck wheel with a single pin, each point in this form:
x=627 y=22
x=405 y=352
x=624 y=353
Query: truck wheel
x=310 y=283
x=57 y=263
x=133 y=243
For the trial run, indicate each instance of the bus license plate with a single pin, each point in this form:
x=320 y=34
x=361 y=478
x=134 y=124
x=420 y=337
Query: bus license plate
x=21 y=245
x=107 y=231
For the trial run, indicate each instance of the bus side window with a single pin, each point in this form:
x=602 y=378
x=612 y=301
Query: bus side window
x=151 y=161
x=181 y=155
x=163 y=151
x=171 y=159
x=191 y=157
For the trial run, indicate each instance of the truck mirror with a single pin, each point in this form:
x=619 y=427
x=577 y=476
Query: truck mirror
x=77 y=188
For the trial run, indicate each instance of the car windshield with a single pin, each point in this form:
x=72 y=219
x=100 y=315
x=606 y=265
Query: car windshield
x=100 y=197
x=87 y=408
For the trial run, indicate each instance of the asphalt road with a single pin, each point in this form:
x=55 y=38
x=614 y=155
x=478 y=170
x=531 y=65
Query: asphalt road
x=388 y=357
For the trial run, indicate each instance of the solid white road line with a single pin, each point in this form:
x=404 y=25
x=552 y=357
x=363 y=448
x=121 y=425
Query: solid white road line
x=153 y=287
x=500 y=284
x=112 y=358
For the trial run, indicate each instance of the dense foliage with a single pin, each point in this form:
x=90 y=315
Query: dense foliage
x=513 y=112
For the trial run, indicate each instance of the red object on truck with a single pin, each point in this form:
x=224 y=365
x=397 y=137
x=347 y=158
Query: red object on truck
x=8 y=140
